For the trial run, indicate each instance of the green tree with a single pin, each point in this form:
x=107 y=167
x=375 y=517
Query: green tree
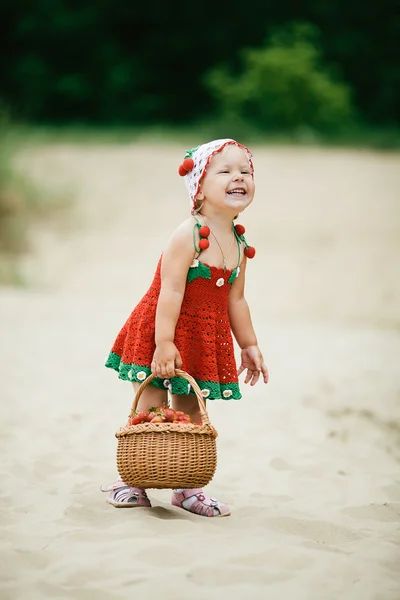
x=112 y=60
x=284 y=85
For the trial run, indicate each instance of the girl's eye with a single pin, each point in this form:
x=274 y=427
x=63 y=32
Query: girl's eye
x=245 y=172
x=225 y=171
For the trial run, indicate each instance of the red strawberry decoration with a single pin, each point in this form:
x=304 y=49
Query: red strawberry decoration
x=186 y=167
x=240 y=230
x=204 y=244
x=188 y=164
x=204 y=231
x=250 y=252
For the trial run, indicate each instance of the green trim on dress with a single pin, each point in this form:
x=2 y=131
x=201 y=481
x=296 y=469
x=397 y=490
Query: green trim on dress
x=234 y=274
x=176 y=385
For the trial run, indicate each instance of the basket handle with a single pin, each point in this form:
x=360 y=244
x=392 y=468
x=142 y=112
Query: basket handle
x=178 y=373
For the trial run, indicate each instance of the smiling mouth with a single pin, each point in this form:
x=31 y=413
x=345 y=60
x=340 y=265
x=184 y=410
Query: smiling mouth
x=239 y=191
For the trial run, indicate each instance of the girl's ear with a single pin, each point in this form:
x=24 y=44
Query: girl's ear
x=200 y=197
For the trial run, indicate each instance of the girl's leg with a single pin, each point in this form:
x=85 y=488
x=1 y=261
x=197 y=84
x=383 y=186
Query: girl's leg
x=194 y=500
x=188 y=404
x=122 y=495
x=151 y=396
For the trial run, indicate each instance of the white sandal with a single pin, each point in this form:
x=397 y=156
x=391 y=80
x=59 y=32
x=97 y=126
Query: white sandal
x=124 y=496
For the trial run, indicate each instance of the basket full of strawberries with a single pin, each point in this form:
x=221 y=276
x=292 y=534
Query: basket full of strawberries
x=160 y=414
x=163 y=448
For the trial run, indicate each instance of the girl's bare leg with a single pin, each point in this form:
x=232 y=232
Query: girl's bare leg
x=194 y=500
x=122 y=495
x=188 y=404
x=151 y=396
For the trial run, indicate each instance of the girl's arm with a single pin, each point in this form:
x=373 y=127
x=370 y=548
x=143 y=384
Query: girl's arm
x=176 y=261
x=242 y=329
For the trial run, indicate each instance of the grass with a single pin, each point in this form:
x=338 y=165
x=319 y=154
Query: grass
x=357 y=136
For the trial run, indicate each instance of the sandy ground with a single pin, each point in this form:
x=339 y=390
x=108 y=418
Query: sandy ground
x=309 y=464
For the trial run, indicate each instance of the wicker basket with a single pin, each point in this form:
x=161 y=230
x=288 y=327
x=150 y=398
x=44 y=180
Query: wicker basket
x=167 y=455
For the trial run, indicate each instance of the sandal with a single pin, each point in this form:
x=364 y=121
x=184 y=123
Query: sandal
x=197 y=503
x=124 y=496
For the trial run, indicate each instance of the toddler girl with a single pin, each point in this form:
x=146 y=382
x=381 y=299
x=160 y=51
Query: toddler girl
x=195 y=301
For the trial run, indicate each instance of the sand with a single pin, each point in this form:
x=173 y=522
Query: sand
x=308 y=464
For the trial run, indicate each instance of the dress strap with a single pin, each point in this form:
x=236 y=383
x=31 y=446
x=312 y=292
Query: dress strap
x=198 y=250
x=249 y=251
x=238 y=241
x=197 y=226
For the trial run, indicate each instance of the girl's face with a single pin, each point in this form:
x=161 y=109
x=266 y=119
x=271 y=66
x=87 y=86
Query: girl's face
x=228 y=183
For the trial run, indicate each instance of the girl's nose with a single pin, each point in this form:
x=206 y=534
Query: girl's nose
x=238 y=177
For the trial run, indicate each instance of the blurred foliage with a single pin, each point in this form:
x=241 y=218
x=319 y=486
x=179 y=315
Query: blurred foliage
x=109 y=61
x=17 y=197
x=21 y=201
x=284 y=86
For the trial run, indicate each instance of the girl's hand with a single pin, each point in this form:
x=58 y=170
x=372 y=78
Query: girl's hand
x=166 y=359
x=253 y=361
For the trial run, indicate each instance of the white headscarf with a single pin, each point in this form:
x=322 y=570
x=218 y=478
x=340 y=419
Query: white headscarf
x=201 y=157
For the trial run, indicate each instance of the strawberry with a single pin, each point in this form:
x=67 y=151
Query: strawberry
x=169 y=414
x=184 y=419
x=157 y=419
x=138 y=418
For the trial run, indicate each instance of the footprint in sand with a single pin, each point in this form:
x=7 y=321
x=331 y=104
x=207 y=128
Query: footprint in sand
x=375 y=512
x=315 y=531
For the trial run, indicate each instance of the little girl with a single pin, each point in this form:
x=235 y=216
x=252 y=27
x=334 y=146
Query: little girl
x=196 y=299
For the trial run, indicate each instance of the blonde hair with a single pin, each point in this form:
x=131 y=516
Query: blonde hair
x=197 y=206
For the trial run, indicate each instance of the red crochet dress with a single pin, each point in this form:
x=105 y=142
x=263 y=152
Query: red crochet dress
x=202 y=335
